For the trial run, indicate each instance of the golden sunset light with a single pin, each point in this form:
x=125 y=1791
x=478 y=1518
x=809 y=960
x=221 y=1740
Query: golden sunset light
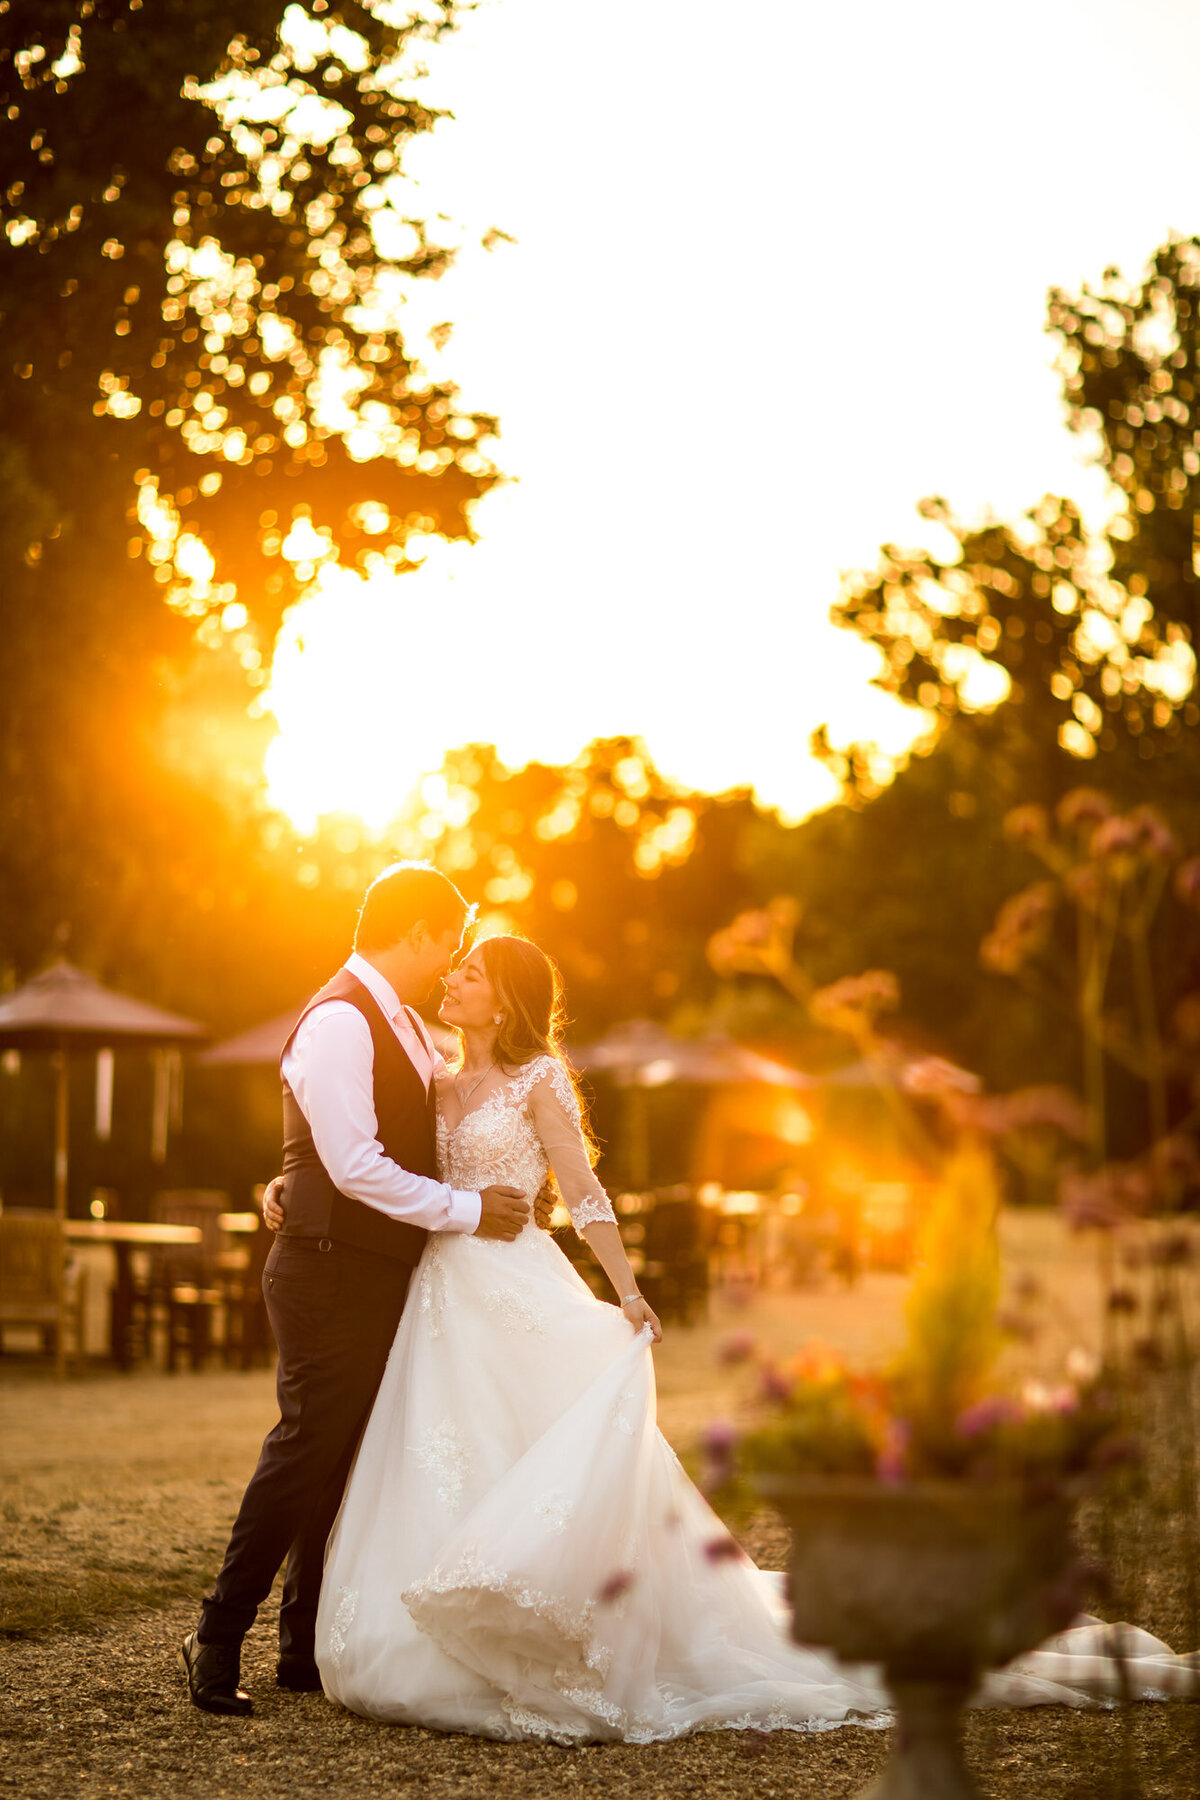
x=728 y=361
x=600 y=898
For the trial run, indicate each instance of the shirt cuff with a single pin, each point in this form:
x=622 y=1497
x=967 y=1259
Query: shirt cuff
x=465 y=1209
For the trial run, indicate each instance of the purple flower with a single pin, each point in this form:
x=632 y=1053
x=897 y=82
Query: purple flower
x=752 y=928
x=738 y=1348
x=1115 y=837
x=1022 y=928
x=934 y=1075
x=1090 y=1201
x=1157 y=839
x=1031 y=907
x=774 y=1385
x=1187 y=881
x=985 y=1415
x=891 y=1462
x=1048 y=1105
x=852 y=1004
x=1083 y=806
x=1027 y=824
x=720 y=1435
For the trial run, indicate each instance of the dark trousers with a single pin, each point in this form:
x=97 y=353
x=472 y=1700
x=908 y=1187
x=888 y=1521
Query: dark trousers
x=334 y=1312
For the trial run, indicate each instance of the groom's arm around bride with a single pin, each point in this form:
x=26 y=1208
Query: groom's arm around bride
x=360 y=1195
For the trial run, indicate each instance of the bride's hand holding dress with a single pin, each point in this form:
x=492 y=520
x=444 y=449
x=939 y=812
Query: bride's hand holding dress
x=512 y=1475
x=554 y=1114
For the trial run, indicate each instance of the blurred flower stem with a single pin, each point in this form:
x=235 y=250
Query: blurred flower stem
x=762 y=942
x=1118 y=869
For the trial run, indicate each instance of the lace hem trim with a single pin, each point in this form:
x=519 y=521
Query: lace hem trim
x=582 y=1689
x=526 y=1723
x=472 y=1576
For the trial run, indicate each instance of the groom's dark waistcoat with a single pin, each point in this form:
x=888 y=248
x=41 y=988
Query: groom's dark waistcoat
x=315 y=1208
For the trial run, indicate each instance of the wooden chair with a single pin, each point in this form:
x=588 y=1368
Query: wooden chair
x=675 y=1278
x=39 y=1284
x=188 y=1293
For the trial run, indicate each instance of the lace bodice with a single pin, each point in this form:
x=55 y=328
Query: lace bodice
x=528 y=1123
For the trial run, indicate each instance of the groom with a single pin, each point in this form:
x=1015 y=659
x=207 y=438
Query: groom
x=360 y=1191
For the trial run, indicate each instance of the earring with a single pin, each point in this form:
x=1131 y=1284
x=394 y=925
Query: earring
x=498 y=1019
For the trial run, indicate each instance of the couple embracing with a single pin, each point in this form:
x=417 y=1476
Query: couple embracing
x=483 y=1528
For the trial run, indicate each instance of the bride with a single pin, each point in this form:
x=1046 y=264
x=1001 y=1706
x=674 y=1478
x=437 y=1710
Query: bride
x=519 y=1553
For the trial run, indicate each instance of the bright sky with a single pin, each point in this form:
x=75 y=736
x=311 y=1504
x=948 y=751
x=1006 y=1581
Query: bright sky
x=775 y=280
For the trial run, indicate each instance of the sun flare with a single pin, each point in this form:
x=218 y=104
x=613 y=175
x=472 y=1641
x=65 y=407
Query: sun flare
x=352 y=694
x=377 y=676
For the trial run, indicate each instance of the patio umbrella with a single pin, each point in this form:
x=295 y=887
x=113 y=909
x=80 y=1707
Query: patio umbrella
x=260 y=1046
x=639 y=1054
x=63 y=1009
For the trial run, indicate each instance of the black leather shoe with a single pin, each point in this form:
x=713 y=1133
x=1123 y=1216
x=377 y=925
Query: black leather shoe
x=212 y=1672
x=298 y=1677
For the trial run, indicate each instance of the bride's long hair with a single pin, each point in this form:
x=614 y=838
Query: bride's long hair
x=530 y=992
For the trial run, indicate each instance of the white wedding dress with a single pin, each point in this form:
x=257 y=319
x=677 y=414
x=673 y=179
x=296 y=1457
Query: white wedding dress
x=519 y=1553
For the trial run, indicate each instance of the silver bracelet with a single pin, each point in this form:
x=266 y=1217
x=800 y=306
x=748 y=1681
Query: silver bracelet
x=629 y=1297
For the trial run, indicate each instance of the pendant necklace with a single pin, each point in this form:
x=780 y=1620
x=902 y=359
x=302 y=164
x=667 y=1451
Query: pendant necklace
x=463 y=1099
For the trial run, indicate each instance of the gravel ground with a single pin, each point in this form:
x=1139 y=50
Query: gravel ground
x=117 y=1495
x=103 y=1713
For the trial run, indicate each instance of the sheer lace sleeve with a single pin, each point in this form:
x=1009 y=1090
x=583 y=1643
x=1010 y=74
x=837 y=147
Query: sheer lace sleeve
x=555 y=1114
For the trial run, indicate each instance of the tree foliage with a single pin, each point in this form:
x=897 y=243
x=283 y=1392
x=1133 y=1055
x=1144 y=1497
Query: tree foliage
x=1089 y=637
x=200 y=199
x=1045 y=657
x=206 y=243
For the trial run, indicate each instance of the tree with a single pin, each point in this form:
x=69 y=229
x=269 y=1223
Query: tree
x=619 y=874
x=205 y=237
x=1044 y=658
x=1086 y=640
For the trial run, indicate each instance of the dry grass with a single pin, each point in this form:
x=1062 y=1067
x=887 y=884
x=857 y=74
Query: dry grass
x=117 y=1496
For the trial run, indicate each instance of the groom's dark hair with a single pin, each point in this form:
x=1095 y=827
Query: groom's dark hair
x=404 y=894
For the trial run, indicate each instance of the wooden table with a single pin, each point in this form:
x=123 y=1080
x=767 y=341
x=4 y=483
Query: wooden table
x=126 y=1237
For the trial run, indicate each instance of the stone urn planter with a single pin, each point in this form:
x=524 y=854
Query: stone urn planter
x=937 y=1581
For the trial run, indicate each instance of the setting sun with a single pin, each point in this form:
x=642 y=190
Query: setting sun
x=652 y=553
x=355 y=731
x=664 y=560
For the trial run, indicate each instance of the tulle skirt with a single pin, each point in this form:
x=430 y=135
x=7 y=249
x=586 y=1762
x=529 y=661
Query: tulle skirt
x=519 y=1553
